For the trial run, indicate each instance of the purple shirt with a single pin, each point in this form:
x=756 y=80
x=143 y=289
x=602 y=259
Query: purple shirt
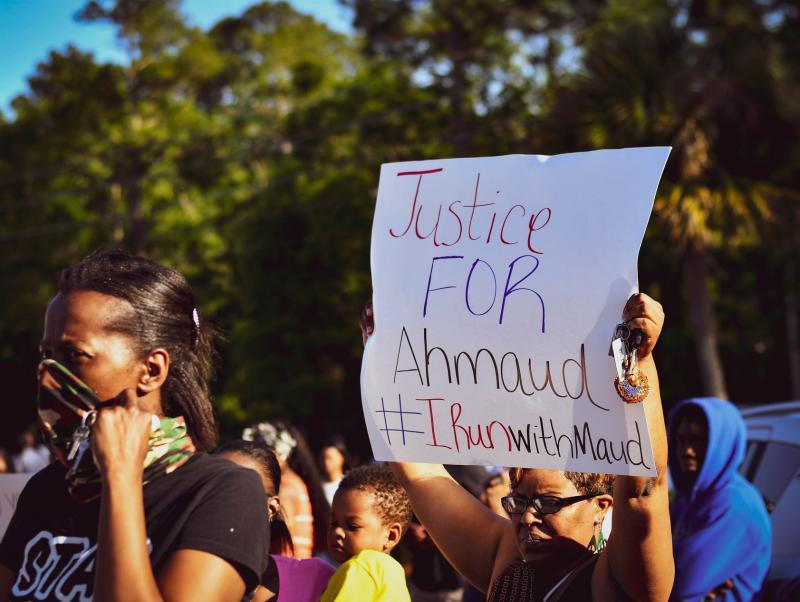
x=301 y=580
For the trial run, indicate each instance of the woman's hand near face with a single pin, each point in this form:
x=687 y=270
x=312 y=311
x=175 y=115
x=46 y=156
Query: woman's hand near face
x=119 y=444
x=120 y=438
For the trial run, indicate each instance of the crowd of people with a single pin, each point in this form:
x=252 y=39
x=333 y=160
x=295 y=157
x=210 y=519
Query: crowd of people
x=142 y=502
x=32 y=456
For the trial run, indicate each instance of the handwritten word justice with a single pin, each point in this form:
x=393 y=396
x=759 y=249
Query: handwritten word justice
x=535 y=220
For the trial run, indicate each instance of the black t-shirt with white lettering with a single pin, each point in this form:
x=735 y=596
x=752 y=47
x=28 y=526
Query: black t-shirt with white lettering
x=208 y=504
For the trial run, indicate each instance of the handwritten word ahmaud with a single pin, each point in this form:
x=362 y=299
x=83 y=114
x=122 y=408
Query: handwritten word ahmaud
x=508 y=373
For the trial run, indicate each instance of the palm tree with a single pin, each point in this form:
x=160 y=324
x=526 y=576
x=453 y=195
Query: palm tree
x=663 y=73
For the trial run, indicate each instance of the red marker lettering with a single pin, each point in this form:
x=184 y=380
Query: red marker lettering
x=430 y=401
x=421 y=174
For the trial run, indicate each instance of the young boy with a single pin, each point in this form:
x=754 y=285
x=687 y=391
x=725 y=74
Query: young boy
x=369 y=514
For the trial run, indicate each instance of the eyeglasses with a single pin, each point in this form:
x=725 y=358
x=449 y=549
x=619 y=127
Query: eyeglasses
x=543 y=504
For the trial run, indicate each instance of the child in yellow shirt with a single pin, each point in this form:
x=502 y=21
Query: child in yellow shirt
x=369 y=514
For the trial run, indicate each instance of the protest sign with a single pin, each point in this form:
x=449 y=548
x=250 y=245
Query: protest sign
x=11 y=486
x=497 y=283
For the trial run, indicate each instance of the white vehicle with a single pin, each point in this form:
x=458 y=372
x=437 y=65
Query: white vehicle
x=772 y=464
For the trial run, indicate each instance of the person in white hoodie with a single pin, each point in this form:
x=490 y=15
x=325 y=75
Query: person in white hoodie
x=33 y=456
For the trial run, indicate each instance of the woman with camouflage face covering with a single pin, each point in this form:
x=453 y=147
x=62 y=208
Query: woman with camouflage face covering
x=133 y=509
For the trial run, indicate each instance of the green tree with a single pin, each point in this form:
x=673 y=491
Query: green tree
x=52 y=201
x=302 y=256
x=485 y=60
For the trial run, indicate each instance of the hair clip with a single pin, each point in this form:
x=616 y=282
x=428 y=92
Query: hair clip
x=196 y=331
x=278 y=440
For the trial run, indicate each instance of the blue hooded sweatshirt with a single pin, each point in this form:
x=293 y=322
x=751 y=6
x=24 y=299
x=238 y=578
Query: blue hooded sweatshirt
x=720 y=526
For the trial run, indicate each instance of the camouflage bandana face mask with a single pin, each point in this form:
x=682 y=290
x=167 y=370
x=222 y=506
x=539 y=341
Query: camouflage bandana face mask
x=66 y=404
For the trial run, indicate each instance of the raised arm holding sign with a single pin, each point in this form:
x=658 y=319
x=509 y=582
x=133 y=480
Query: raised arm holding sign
x=497 y=284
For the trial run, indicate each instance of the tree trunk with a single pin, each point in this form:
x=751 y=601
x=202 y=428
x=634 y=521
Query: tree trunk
x=459 y=83
x=117 y=218
x=792 y=342
x=461 y=136
x=136 y=223
x=701 y=320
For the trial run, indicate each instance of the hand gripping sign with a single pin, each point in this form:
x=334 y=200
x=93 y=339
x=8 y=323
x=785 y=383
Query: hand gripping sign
x=497 y=283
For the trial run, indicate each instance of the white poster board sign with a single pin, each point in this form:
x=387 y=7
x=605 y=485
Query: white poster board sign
x=497 y=283
x=11 y=486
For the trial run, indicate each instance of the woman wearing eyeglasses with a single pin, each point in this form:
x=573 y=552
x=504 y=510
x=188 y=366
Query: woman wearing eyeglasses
x=552 y=548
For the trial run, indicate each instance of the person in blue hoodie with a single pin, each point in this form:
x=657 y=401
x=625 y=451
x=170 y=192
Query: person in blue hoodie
x=721 y=532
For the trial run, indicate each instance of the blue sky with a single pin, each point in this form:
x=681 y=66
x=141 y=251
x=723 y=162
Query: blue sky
x=29 y=29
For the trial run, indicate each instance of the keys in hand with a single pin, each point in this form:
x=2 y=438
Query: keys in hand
x=80 y=441
x=631 y=385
